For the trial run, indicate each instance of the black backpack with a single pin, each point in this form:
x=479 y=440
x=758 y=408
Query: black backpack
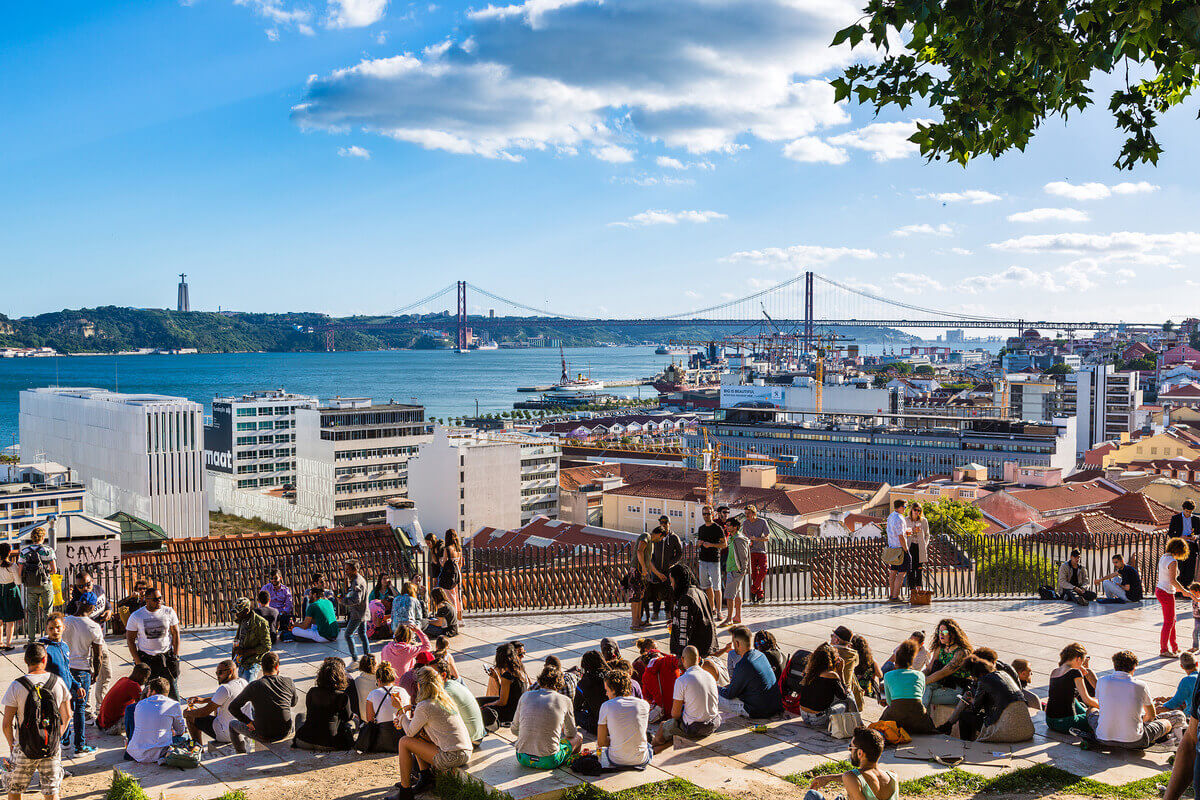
x=33 y=571
x=41 y=726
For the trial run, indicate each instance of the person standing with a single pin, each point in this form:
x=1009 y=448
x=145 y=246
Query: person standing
x=897 y=537
x=1165 y=590
x=37 y=564
x=12 y=610
x=450 y=575
x=41 y=753
x=639 y=576
x=737 y=563
x=101 y=613
x=755 y=529
x=1183 y=526
x=84 y=641
x=918 y=544
x=710 y=538
x=666 y=549
x=357 y=611
x=152 y=634
x=251 y=641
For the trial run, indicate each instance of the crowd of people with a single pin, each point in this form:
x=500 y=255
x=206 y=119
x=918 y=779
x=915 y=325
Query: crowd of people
x=408 y=697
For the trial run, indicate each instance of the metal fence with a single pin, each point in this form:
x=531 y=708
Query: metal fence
x=799 y=570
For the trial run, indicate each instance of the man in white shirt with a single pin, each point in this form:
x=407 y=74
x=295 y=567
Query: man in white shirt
x=694 y=713
x=1127 y=716
x=152 y=633
x=49 y=768
x=100 y=614
x=897 y=536
x=157 y=720
x=211 y=715
x=84 y=639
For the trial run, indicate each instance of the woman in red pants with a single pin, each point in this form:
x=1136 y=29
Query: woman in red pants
x=1165 y=590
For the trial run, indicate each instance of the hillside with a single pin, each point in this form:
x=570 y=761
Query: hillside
x=111 y=328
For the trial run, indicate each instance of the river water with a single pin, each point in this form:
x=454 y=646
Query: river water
x=447 y=384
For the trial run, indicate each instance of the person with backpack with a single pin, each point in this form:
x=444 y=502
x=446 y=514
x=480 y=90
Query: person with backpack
x=38 y=707
x=37 y=564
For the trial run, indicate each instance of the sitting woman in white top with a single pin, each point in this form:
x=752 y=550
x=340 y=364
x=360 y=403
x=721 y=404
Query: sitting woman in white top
x=694 y=708
x=544 y=723
x=379 y=712
x=621 y=726
x=448 y=745
x=866 y=781
x=156 y=721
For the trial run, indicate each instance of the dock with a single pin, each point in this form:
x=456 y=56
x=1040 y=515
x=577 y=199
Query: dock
x=607 y=385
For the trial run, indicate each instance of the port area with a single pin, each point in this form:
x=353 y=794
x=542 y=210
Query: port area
x=607 y=385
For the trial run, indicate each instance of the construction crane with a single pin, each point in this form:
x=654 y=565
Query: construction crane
x=825 y=342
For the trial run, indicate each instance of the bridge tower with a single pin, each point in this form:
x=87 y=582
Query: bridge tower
x=808 y=309
x=462 y=316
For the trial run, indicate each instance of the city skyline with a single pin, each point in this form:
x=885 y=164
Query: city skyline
x=289 y=156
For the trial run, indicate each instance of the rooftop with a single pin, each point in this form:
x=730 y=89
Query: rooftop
x=786 y=501
x=1068 y=495
x=104 y=395
x=1138 y=509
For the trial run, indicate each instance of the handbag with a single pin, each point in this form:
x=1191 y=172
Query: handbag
x=183 y=753
x=368 y=735
x=920 y=597
x=893 y=556
x=841 y=726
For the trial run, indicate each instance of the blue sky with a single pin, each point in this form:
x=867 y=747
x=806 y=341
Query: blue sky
x=625 y=157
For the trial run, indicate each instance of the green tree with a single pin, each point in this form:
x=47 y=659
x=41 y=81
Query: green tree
x=1168 y=326
x=902 y=368
x=924 y=370
x=1060 y=369
x=997 y=71
x=948 y=515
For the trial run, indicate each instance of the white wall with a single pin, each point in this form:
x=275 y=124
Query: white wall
x=141 y=454
x=490 y=483
x=224 y=496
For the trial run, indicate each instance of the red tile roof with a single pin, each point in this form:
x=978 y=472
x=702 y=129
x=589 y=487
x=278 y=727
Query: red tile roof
x=545 y=532
x=789 y=502
x=1090 y=529
x=1049 y=499
x=1187 y=390
x=570 y=479
x=1138 y=509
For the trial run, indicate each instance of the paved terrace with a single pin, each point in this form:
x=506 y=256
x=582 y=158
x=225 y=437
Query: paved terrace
x=735 y=761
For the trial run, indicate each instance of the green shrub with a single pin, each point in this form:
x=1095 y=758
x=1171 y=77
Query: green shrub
x=125 y=787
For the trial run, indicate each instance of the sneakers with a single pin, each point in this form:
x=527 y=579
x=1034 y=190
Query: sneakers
x=401 y=794
x=84 y=749
x=424 y=782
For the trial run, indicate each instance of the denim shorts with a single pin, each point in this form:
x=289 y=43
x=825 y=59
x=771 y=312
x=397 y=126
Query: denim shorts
x=710 y=575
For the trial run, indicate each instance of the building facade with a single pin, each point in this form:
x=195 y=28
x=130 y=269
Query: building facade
x=30 y=493
x=1103 y=401
x=466 y=480
x=889 y=454
x=253 y=438
x=352 y=457
x=138 y=453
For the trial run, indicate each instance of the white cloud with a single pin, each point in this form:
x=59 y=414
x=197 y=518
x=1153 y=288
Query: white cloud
x=961 y=251
x=550 y=73
x=279 y=14
x=1050 y=215
x=883 y=140
x=811 y=149
x=653 y=180
x=691 y=293
x=613 y=154
x=658 y=217
x=799 y=255
x=1122 y=242
x=1097 y=191
x=912 y=283
x=1013 y=276
x=667 y=162
x=975 y=197
x=354 y=151
x=273 y=34
x=355 y=13
x=923 y=229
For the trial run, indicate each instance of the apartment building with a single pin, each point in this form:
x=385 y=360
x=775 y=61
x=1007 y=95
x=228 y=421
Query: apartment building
x=1103 y=401
x=352 y=457
x=869 y=451
x=467 y=479
x=1031 y=397
x=138 y=453
x=253 y=438
x=30 y=493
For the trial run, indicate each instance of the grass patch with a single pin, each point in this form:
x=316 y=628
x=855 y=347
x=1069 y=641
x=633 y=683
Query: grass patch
x=453 y=785
x=673 y=789
x=1040 y=780
x=125 y=787
x=235 y=794
x=228 y=524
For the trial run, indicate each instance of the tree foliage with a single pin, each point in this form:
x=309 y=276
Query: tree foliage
x=998 y=70
x=1060 y=369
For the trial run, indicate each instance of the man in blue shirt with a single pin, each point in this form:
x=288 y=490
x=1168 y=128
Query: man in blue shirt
x=1182 y=700
x=752 y=690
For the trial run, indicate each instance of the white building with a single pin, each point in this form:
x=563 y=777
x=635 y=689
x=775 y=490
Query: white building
x=801 y=395
x=138 y=453
x=1030 y=396
x=30 y=493
x=466 y=479
x=1103 y=401
x=352 y=457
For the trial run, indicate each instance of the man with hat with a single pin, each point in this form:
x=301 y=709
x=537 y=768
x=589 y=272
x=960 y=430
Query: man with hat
x=666 y=549
x=252 y=640
x=1073 y=580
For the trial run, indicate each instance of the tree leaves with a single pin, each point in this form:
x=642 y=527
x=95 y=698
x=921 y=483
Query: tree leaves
x=998 y=69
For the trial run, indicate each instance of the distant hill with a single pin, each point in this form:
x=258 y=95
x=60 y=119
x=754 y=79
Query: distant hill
x=112 y=328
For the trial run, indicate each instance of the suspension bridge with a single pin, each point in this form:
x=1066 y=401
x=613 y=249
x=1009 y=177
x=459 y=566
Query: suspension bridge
x=801 y=305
